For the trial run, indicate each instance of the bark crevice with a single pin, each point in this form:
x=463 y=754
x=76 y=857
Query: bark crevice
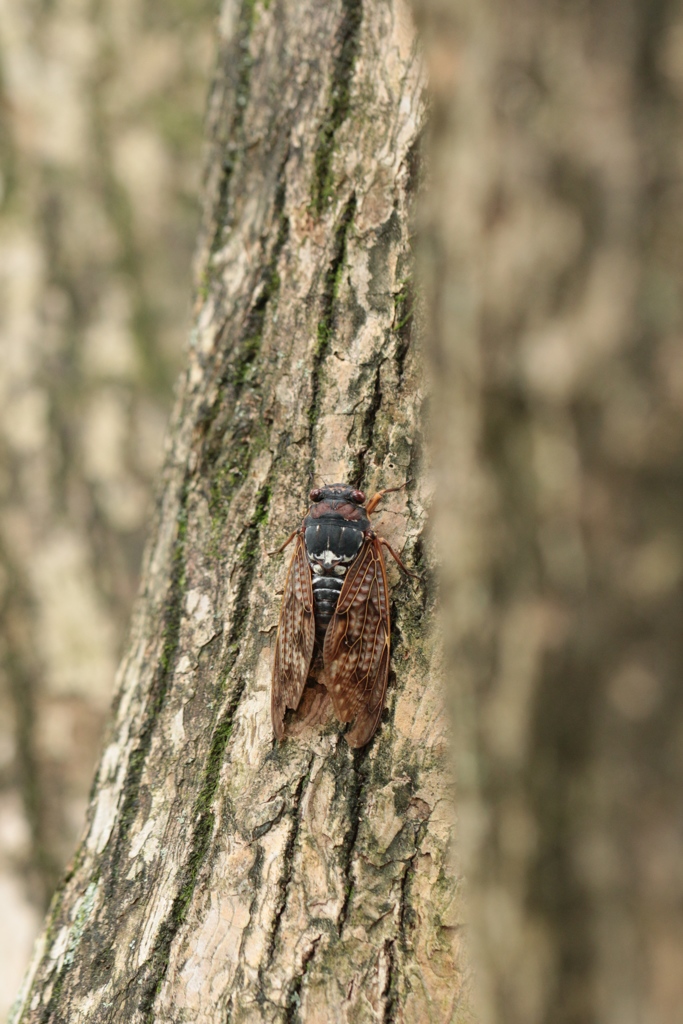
x=155 y=698
x=339 y=102
x=243 y=62
x=357 y=784
x=287 y=873
x=292 y=1015
x=325 y=329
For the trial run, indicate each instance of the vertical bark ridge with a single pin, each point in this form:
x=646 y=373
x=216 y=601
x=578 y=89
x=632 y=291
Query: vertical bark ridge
x=287 y=869
x=326 y=321
x=292 y=1015
x=367 y=430
x=238 y=64
x=356 y=787
x=203 y=815
x=339 y=103
x=155 y=698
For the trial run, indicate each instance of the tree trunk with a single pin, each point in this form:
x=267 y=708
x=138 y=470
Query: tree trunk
x=556 y=264
x=222 y=876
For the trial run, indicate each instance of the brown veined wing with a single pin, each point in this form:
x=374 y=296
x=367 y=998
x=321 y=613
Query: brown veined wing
x=356 y=649
x=295 y=639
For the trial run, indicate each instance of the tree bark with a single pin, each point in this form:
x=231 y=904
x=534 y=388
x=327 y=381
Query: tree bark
x=223 y=877
x=554 y=265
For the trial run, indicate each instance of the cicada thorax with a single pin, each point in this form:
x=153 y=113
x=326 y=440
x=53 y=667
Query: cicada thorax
x=334 y=532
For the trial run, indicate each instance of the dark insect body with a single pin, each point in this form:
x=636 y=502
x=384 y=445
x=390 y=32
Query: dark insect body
x=334 y=623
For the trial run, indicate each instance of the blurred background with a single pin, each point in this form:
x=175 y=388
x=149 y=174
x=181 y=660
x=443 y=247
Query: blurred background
x=101 y=105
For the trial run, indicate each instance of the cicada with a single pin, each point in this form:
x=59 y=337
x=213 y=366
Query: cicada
x=334 y=623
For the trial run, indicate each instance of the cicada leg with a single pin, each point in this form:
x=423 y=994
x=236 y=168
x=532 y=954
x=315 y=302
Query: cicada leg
x=282 y=547
x=389 y=548
x=374 y=502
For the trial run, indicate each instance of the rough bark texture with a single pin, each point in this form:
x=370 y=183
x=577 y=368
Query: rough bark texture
x=556 y=262
x=223 y=877
x=101 y=104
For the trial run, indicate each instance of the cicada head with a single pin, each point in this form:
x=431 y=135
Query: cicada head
x=338 y=492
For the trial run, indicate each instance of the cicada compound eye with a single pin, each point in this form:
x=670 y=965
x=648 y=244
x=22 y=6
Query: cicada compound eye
x=357 y=497
x=315 y=495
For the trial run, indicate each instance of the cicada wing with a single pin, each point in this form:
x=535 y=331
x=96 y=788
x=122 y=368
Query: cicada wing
x=295 y=639
x=356 y=649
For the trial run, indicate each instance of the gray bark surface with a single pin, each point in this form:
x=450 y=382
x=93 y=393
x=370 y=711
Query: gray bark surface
x=554 y=264
x=222 y=877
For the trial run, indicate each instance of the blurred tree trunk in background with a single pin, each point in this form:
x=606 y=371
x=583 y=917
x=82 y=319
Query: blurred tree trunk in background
x=221 y=876
x=554 y=266
x=100 y=128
